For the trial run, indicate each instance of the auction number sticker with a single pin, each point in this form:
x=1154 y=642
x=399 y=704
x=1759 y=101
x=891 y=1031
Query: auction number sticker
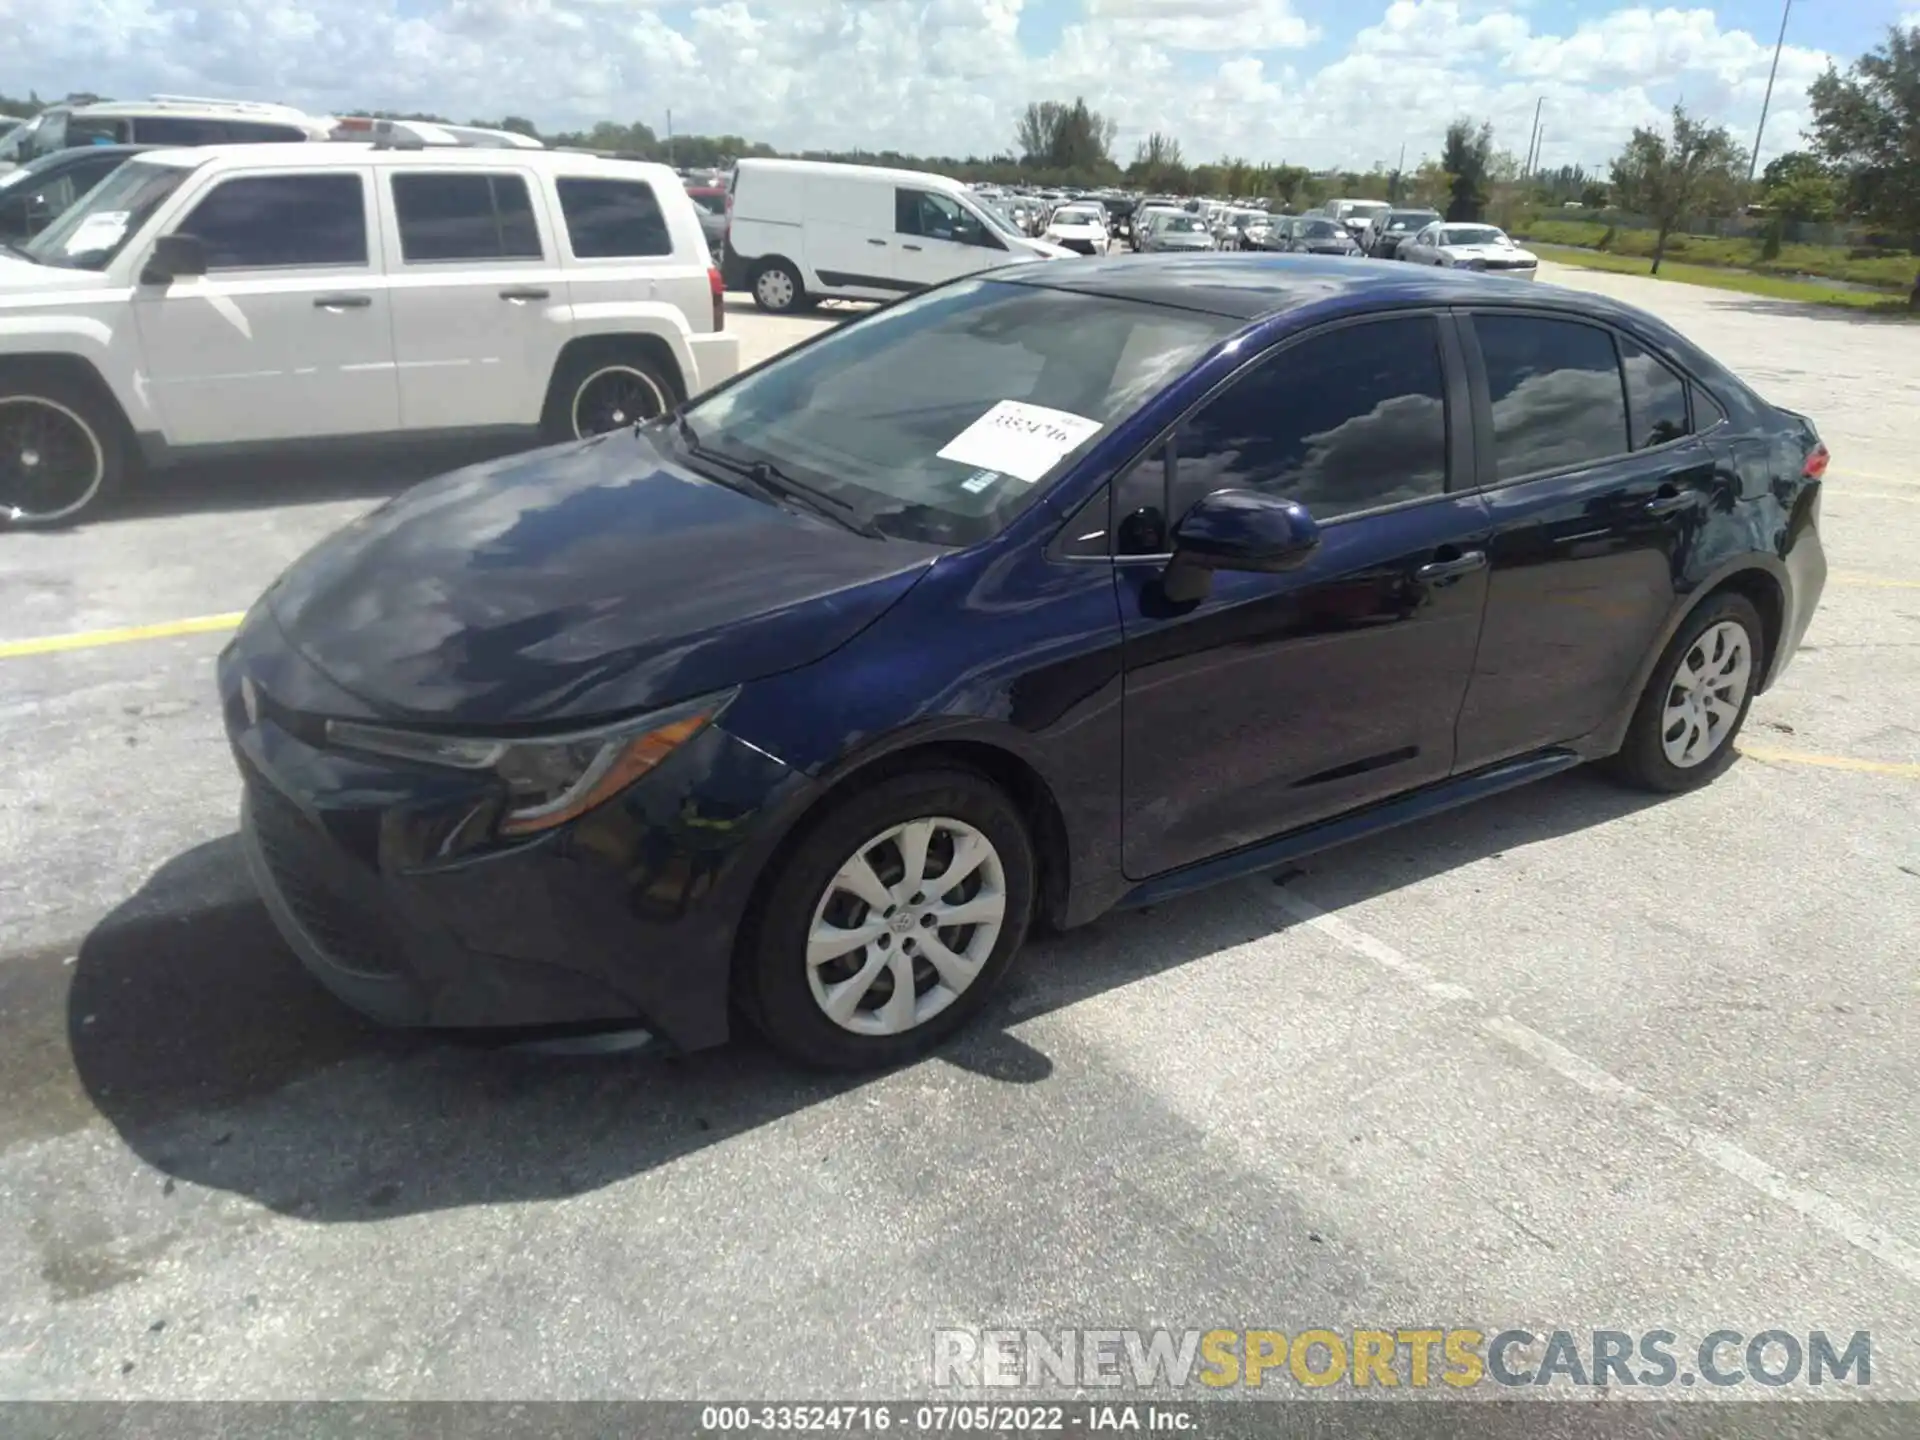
x=1019 y=439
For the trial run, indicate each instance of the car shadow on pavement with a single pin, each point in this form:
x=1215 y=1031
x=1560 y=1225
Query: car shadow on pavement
x=1895 y=312
x=269 y=482
x=197 y=1035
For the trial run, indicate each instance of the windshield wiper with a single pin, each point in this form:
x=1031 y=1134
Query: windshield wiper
x=774 y=482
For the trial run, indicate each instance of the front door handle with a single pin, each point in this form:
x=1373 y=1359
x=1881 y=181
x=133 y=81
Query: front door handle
x=342 y=302
x=1464 y=563
x=1670 y=501
x=876 y=242
x=910 y=247
x=525 y=292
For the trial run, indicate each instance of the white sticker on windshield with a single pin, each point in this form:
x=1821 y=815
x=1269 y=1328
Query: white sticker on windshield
x=1019 y=439
x=101 y=231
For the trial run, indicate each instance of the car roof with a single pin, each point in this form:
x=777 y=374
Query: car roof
x=877 y=173
x=319 y=153
x=1250 y=287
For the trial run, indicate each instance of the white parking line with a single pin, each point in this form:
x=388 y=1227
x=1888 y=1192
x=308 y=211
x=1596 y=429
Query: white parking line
x=1822 y=1210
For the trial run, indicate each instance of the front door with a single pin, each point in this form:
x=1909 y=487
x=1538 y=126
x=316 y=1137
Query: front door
x=1278 y=700
x=939 y=239
x=1598 y=490
x=287 y=335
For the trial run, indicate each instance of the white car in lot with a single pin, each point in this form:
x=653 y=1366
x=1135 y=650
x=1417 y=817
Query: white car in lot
x=1079 y=228
x=1470 y=247
x=238 y=297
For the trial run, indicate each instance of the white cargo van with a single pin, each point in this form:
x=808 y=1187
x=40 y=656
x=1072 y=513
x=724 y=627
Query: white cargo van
x=803 y=230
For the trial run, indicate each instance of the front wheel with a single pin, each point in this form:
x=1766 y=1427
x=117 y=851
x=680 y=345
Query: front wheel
x=61 y=456
x=1682 y=733
x=891 y=923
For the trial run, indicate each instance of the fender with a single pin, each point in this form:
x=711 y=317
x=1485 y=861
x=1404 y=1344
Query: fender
x=619 y=319
x=27 y=336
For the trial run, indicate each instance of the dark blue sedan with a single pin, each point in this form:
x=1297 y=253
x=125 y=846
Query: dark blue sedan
x=1042 y=593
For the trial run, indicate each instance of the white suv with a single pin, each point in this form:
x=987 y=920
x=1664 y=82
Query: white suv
x=260 y=295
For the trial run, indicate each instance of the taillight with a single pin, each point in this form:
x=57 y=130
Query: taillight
x=1816 y=465
x=719 y=288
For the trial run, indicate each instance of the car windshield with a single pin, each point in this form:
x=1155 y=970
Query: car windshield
x=1321 y=230
x=999 y=222
x=92 y=232
x=1184 y=222
x=1077 y=217
x=1472 y=235
x=1411 y=219
x=942 y=417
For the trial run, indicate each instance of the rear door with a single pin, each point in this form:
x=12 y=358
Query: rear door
x=288 y=333
x=1278 y=700
x=479 y=304
x=849 y=242
x=1597 y=487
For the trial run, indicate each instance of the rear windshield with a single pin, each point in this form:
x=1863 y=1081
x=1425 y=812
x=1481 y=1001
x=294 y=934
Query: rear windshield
x=942 y=417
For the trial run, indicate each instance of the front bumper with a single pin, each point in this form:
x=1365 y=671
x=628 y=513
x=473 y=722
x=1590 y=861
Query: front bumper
x=378 y=877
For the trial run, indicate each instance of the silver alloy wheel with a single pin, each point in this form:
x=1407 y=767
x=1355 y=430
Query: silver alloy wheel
x=774 y=288
x=1706 y=694
x=614 y=397
x=906 y=925
x=34 y=449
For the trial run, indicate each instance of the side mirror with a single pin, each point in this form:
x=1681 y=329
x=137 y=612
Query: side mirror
x=1236 y=530
x=175 y=257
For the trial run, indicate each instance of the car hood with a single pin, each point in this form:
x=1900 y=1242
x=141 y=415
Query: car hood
x=574 y=583
x=22 y=279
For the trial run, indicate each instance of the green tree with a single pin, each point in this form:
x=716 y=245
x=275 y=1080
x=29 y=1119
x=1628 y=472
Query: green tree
x=1071 y=138
x=1157 y=164
x=1797 y=187
x=1668 y=177
x=1467 y=158
x=1866 y=124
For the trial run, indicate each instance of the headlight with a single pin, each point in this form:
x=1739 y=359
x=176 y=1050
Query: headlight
x=549 y=779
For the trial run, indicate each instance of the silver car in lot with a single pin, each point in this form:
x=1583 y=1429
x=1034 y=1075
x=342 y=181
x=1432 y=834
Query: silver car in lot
x=1470 y=247
x=1171 y=230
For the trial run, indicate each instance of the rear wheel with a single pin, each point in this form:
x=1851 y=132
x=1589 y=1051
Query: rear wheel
x=1682 y=733
x=61 y=454
x=777 y=288
x=890 y=925
x=603 y=390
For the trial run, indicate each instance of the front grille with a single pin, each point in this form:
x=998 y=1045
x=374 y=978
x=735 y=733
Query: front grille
x=1085 y=247
x=293 y=848
x=1507 y=264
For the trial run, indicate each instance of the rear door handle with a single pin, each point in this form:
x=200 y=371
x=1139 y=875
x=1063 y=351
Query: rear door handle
x=1672 y=502
x=342 y=302
x=1462 y=564
x=910 y=247
x=529 y=292
x=876 y=242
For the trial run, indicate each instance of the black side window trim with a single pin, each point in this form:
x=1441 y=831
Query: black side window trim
x=1485 y=460
x=1454 y=376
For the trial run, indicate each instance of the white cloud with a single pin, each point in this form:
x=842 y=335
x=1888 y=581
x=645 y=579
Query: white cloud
x=936 y=76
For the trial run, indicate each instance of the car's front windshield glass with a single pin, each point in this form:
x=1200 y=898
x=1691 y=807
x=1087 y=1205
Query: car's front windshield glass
x=1321 y=230
x=1184 y=222
x=1412 y=219
x=1472 y=235
x=998 y=221
x=92 y=232
x=943 y=417
x=1076 y=217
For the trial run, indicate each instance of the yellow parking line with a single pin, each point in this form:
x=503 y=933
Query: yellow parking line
x=1879 y=581
x=88 y=639
x=1830 y=762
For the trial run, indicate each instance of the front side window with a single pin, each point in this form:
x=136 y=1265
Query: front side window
x=609 y=218
x=1346 y=421
x=260 y=222
x=1556 y=393
x=464 y=215
x=1656 y=398
x=946 y=415
x=91 y=233
x=937 y=217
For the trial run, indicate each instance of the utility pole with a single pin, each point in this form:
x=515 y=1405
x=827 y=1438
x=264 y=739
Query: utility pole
x=669 y=139
x=1753 y=160
x=1399 y=171
x=1533 y=138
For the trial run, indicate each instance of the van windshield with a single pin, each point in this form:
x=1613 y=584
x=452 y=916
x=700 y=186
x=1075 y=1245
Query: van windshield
x=944 y=416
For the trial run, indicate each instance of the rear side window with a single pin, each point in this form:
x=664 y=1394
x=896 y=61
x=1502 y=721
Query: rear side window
x=179 y=130
x=607 y=219
x=96 y=130
x=1656 y=398
x=254 y=132
x=1346 y=421
x=270 y=221
x=464 y=216
x=1556 y=393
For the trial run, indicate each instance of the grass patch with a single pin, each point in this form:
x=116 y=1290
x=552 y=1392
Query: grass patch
x=1748 y=282
x=1891 y=270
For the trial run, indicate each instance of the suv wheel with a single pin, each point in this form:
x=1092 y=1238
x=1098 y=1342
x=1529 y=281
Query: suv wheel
x=1682 y=733
x=777 y=288
x=890 y=925
x=608 y=390
x=61 y=454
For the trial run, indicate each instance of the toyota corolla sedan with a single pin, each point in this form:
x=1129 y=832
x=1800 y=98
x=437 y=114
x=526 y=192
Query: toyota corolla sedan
x=1036 y=595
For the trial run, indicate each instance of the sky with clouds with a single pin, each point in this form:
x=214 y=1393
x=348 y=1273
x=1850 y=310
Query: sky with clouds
x=1316 y=82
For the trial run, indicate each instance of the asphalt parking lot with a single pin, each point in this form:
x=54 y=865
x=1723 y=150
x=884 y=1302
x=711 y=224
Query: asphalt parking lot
x=1570 y=1059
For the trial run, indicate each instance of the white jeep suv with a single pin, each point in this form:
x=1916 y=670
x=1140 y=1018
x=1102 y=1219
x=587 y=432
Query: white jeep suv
x=245 y=296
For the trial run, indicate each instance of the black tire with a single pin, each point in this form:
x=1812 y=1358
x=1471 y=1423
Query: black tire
x=1642 y=760
x=773 y=279
x=583 y=376
x=773 y=982
x=44 y=414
